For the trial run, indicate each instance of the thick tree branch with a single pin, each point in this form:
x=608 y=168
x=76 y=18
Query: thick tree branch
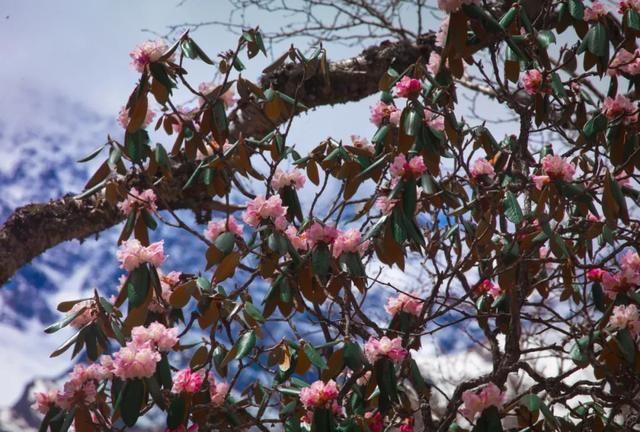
x=35 y=228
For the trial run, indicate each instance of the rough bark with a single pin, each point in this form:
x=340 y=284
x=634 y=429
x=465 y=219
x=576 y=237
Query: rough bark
x=35 y=228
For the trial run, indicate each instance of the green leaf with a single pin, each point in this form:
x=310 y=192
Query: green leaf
x=314 y=356
x=149 y=221
x=596 y=41
x=162 y=158
x=163 y=372
x=632 y=19
x=137 y=286
x=545 y=38
x=91 y=155
x=411 y=122
x=132 y=399
x=531 y=402
x=65 y=321
x=278 y=243
x=512 y=209
x=245 y=344
x=253 y=312
x=598 y=296
x=556 y=85
x=352 y=355
x=576 y=9
x=594 y=125
x=322 y=421
x=380 y=134
x=320 y=260
x=176 y=413
x=489 y=421
x=352 y=264
x=225 y=242
x=627 y=346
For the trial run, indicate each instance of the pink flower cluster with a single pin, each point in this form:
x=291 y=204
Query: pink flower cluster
x=147 y=52
x=407 y=87
x=123 y=117
x=215 y=228
x=482 y=167
x=386 y=204
x=475 y=402
x=132 y=254
x=595 y=12
x=626 y=317
x=298 y=239
x=318 y=233
x=532 y=81
x=555 y=168
x=217 y=391
x=319 y=395
x=454 y=5
x=260 y=209
x=401 y=168
x=627 y=277
x=620 y=106
x=293 y=178
x=349 y=241
x=375 y=349
x=625 y=61
x=155 y=335
x=434 y=120
x=488 y=287
x=228 y=97
x=403 y=303
x=136 y=199
x=382 y=111
x=362 y=144
x=187 y=381
x=133 y=361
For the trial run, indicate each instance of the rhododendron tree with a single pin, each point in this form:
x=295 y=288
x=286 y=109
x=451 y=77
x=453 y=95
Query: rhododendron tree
x=317 y=311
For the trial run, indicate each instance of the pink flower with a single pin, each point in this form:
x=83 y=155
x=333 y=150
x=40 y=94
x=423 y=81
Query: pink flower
x=297 y=239
x=441 y=35
x=594 y=12
x=349 y=241
x=374 y=421
x=187 y=381
x=621 y=106
x=132 y=254
x=540 y=181
x=403 y=303
x=406 y=425
x=482 y=167
x=454 y=5
x=123 y=117
x=626 y=317
x=146 y=53
x=394 y=118
x=475 y=402
x=488 y=287
x=206 y=88
x=382 y=111
x=532 y=81
x=319 y=394
x=215 y=228
x=182 y=428
x=217 y=391
x=407 y=87
x=400 y=168
x=260 y=209
x=133 y=361
x=362 y=144
x=596 y=274
x=85 y=317
x=44 y=401
x=433 y=66
x=386 y=204
x=80 y=388
x=375 y=349
x=318 y=233
x=167 y=282
x=434 y=120
x=626 y=5
x=558 y=168
x=293 y=178
x=136 y=199
x=156 y=336
x=625 y=61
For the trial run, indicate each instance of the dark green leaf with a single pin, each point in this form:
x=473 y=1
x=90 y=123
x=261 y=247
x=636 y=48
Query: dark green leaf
x=132 y=400
x=137 y=286
x=512 y=209
x=245 y=344
x=314 y=356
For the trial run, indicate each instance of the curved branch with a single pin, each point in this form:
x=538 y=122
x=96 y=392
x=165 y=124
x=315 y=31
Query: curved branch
x=35 y=228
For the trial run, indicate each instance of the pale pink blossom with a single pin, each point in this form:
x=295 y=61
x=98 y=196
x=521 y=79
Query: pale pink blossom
x=168 y=283
x=85 y=317
x=44 y=401
x=134 y=361
x=260 y=209
x=206 y=88
x=626 y=317
x=475 y=402
x=554 y=168
x=293 y=178
x=625 y=61
x=147 y=52
x=319 y=394
x=394 y=118
x=532 y=81
x=434 y=120
x=80 y=388
x=595 y=12
x=407 y=87
x=318 y=233
x=482 y=167
x=403 y=303
x=441 y=35
x=184 y=116
x=187 y=381
x=217 y=391
x=298 y=239
x=349 y=241
x=136 y=199
x=488 y=287
x=620 y=106
x=215 y=228
x=123 y=117
x=433 y=66
x=132 y=254
x=386 y=204
x=375 y=349
x=156 y=336
x=454 y=5
x=362 y=144
x=401 y=168
x=382 y=111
